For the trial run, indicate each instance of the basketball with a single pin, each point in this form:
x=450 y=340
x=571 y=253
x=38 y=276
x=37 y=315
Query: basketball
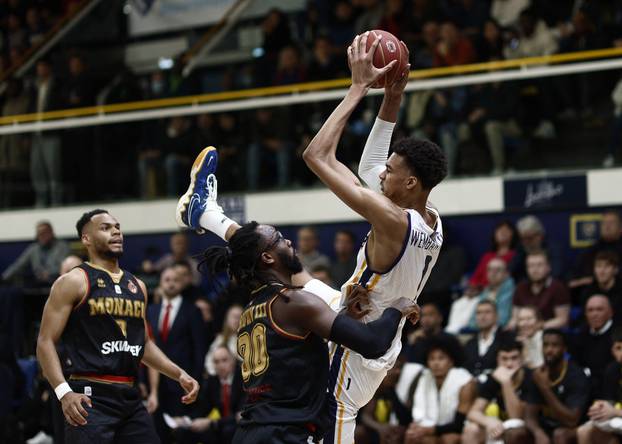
x=389 y=49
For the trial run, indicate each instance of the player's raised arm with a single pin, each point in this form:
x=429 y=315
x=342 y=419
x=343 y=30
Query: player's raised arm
x=302 y=313
x=66 y=293
x=320 y=155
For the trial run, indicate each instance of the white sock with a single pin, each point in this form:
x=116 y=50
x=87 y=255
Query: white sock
x=216 y=222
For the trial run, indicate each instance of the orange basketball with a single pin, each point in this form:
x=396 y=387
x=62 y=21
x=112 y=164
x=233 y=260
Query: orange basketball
x=389 y=49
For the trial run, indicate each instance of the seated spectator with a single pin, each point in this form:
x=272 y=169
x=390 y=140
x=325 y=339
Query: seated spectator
x=443 y=395
x=307 y=243
x=430 y=326
x=35 y=27
x=532 y=237
x=453 y=48
x=481 y=350
x=468 y=15
x=179 y=245
x=385 y=418
x=606 y=279
x=189 y=290
x=272 y=145
x=394 y=18
x=370 y=16
x=603 y=426
x=425 y=48
x=592 y=346
x=214 y=417
x=489 y=43
x=69 y=263
x=323 y=64
x=445 y=276
x=610 y=240
x=340 y=29
x=40 y=263
x=228 y=337
x=498 y=411
x=533 y=39
x=503 y=245
x=540 y=289
x=322 y=273
x=178 y=330
x=529 y=333
x=345 y=257
x=231 y=146
x=461 y=312
x=560 y=395
x=206 y=308
x=507 y=13
x=290 y=68
x=500 y=290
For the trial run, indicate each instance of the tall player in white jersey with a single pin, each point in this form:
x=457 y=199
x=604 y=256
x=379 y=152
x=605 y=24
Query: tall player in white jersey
x=406 y=232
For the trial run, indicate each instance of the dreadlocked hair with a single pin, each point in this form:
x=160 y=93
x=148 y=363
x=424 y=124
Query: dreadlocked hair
x=240 y=259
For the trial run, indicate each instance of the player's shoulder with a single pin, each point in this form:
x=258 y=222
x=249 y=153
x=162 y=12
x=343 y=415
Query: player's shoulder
x=71 y=285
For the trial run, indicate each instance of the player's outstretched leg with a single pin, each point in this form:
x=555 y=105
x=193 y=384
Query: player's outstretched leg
x=198 y=208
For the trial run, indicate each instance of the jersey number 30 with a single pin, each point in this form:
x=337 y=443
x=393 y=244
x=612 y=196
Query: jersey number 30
x=252 y=348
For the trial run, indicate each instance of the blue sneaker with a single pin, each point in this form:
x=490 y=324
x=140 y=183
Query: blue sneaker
x=202 y=192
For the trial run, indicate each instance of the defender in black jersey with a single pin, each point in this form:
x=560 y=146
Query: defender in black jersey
x=281 y=338
x=99 y=312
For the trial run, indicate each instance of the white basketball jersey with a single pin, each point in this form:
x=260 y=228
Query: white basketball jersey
x=408 y=275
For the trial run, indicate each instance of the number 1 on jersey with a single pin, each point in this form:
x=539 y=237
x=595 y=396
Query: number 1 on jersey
x=426 y=264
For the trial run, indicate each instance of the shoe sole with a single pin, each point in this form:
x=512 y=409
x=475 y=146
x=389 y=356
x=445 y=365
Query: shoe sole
x=182 y=203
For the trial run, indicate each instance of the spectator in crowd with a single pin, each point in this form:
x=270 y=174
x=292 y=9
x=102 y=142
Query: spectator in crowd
x=272 y=146
x=14 y=147
x=69 y=263
x=507 y=12
x=489 y=43
x=592 y=346
x=548 y=294
x=370 y=15
x=78 y=87
x=481 y=350
x=461 y=313
x=290 y=68
x=276 y=35
x=532 y=236
x=430 y=326
x=445 y=277
x=179 y=244
x=385 y=418
x=394 y=19
x=499 y=291
x=340 y=29
x=610 y=240
x=214 y=419
x=443 y=395
x=453 y=48
x=602 y=426
x=534 y=39
x=307 y=244
x=425 y=48
x=345 y=257
x=498 y=411
x=606 y=279
x=39 y=264
x=468 y=15
x=324 y=65
x=504 y=241
x=189 y=290
x=45 y=155
x=231 y=144
x=322 y=273
x=228 y=337
x=16 y=36
x=529 y=333
x=560 y=396
x=206 y=308
x=178 y=331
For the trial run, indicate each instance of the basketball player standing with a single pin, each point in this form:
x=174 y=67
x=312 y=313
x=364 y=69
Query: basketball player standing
x=98 y=310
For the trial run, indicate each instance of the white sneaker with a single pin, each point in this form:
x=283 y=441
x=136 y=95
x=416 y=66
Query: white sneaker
x=41 y=438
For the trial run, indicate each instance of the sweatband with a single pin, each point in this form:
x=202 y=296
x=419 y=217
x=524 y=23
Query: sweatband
x=371 y=340
x=216 y=222
x=375 y=153
x=61 y=390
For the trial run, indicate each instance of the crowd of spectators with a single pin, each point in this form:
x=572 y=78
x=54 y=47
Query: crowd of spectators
x=482 y=128
x=525 y=350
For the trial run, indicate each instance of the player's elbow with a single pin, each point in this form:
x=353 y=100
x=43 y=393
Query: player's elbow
x=375 y=349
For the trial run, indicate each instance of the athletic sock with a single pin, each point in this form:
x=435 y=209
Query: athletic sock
x=216 y=222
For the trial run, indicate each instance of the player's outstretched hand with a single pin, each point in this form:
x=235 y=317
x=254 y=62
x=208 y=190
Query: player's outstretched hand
x=364 y=73
x=190 y=386
x=407 y=307
x=74 y=411
x=357 y=301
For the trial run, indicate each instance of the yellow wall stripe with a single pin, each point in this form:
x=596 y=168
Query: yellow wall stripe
x=304 y=87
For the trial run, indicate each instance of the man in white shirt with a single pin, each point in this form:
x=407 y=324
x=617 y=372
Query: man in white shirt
x=481 y=350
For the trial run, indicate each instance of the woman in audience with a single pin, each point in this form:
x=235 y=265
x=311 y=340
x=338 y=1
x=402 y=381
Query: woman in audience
x=529 y=332
x=503 y=246
x=443 y=395
x=227 y=337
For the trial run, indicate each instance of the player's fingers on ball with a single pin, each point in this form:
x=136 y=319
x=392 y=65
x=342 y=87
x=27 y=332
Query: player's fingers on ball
x=363 y=43
x=405 y=47
x=355 y=46
x=374 y=45
x=388 y=66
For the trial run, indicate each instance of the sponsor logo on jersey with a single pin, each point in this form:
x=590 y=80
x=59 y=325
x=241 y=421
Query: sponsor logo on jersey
x=132 y=287
x=101 y=283
x=109 y=347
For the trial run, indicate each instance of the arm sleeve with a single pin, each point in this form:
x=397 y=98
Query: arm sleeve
x=452 y=427
x=370 y=340
x=375 y=153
